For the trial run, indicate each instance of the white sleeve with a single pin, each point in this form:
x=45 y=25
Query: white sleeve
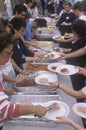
x=84 y=90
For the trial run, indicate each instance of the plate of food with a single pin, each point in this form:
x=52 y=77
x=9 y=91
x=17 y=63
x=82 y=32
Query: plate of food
x=58 y=38
x=67 y=70
x=66 y=24
x=68 y=35
x=53 y=66
x=52 y=55
x=80 y=109
x=56 y=109
x=43 y=79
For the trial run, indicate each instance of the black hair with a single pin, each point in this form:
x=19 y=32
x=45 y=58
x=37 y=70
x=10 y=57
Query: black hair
x=19 y=9
x=18 y=23
x=5 y=40
x=79 y=6
x=79 y=27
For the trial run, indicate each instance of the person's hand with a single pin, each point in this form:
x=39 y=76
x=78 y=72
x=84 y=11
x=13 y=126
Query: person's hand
x=82 y=71
x=20 y=78
x=63 y=56
x=52 y=84
x=63 y=120
x=24 y=72
x=9 y=91
x=40 y=110
x=37 y=58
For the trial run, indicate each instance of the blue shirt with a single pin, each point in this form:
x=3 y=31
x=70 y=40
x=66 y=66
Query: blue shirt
x=28 y=31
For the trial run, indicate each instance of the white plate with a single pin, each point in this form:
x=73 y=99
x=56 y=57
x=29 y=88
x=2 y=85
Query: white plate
x=53 y=65
x=54 y=53
x=71 y=69
x=49 y=77
x=52 y=114
x=78 y=112
x=62 y=37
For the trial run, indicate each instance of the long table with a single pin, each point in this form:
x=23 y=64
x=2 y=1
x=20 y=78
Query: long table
x=49 y=125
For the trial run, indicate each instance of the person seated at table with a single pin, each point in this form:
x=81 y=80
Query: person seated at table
x=21 y=11
x=9 y=75
x=67 y=120
x=66 y=19
x=10 y=110
x=21 y=54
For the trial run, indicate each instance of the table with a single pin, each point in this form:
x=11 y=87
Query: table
x=49 y=125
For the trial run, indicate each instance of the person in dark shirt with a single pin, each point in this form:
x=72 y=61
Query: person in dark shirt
x=21 y=54
x=66 y=19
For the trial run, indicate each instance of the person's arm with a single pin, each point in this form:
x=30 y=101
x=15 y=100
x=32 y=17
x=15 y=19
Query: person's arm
x=74 y=54
x=66 y=120
x=15 y=66
x=71 y=92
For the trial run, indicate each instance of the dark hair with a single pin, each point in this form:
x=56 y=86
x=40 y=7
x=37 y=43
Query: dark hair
x=18 y=23
x=67 y=3
x=5 y=40
x=28 y=1
x=79 y=6
x=19 y=9
x=79 y=27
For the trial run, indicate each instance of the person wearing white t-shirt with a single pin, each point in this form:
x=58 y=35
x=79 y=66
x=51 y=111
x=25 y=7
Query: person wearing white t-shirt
x=9 y=8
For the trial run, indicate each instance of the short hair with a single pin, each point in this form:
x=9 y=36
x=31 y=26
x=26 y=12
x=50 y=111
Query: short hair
x=79 y=6
x=67 y=3
x=18 y=23
x=19 y=9
x=79 y=27
x=5 y=40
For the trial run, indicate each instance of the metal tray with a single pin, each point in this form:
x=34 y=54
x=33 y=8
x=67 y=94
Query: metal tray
x=28 y=120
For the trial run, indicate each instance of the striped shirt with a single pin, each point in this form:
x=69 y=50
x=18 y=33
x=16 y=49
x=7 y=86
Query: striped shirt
x=8 y=110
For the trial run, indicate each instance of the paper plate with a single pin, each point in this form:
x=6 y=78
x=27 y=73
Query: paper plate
x=52 y=55
x=67 y=70
x=44 y=78
x=77 y=111
x=53 y=66
x=62 y=111
x=58 y=38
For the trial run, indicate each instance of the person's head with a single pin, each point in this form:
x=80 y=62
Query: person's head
x=6 y=46
x=29 y=3
x=19 y=25
x=67 y=6
x=79 y=28
x=20 y=10
x=36 y=24
x=5 y=25
x=78 y=7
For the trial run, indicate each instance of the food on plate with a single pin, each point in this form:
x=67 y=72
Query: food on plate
x=54 y=67
x=45 y=44
x=50 y=56
x=64 y=23
x=68 y=35
x=58 y=38
x=64 y=70
x=81 y=109
x=36 y=67
x=43 y=80
x=57 y=49
x=26 y=83
x=53 y=107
